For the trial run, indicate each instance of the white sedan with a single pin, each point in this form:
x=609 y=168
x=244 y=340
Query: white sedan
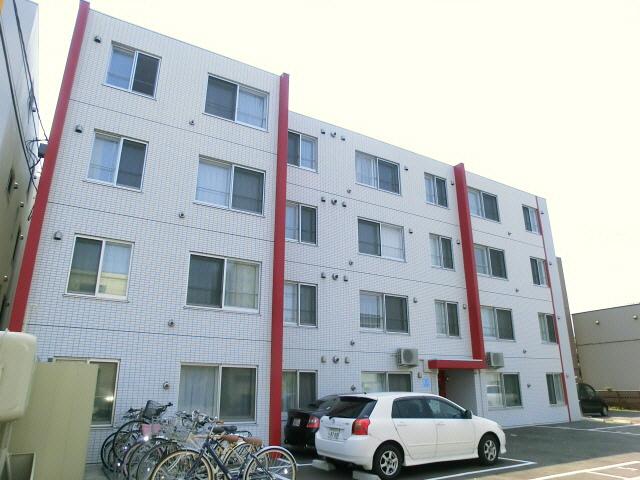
x=384 y=431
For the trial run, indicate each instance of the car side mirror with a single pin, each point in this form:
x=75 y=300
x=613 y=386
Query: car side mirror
x=468 y=414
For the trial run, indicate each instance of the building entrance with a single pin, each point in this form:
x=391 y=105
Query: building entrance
x=459 y=386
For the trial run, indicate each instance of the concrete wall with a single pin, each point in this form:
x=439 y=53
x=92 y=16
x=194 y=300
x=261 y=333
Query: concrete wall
x=608 y=343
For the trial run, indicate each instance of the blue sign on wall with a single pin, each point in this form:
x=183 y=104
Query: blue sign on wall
x=426 y=382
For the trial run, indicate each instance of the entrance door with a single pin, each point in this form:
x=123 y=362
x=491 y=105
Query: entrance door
x=442 y=383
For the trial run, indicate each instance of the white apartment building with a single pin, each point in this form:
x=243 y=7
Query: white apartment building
x=206 y=246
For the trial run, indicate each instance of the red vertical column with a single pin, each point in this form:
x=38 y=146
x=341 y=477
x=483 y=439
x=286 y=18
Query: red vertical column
x=277 y=292
x=469 y=259
x=553 y=305
x=37 y=219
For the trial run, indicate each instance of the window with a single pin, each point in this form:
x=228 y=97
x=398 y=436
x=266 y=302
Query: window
x=380 y=239
x=298 y=389
x=490 y=261
x=100 y=268
x=539 y=272
x=300 y=304
x=443 y=409
x=503 y=390
x=230 y=186
x=223 y=283
x=227 y=392
x=11 y=181
x=301 y=223
x=554 y=388
x=497 y=323
x=117 y=161
x=447 y=319
x=383 y=312
x=436 y=190
x=16 y=245
x=483 y=205
x=105 y=396
x=547 y=328
x=237 y=103
x=530 y=219
x=302 y=151
x=377 y=173
x=386 y=382
x=412 y=407
x=441 y=252
x=133 y=71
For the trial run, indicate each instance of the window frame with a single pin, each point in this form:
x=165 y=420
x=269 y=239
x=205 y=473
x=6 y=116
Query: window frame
x=383 y=304
x=314 y=142
x=439 y=239
x=558 y=389
x=298 y=294
x=489 y=263
x=533 y=218
x=299 y=207
x=386 y=378
x=239 y=87
x=503 y=393
x=99 y=272
x=380 y=225
x=433 y=179
x=223 y=291
x=219 y=367
x=89 y=360
x=547 y=324
x=232 y=172
x=483 y=214
x=541 y=266
x=133 y=70
x=496 y=326
x=376 y=172
x=121 y=140
x=298 y=372
x=446 y=304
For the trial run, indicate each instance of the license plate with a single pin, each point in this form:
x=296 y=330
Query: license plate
x=333 y=433
x=296 y=422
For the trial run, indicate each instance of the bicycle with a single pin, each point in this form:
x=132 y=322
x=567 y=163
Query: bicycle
x=186 y=464
x=128 y=433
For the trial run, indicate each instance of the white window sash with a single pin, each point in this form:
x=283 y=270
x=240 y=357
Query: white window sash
x=436 y=251
x=391 y=242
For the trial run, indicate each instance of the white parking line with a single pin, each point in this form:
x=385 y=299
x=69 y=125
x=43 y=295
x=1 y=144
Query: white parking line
x=619 y=426
x=521 y=463
x=597 y=430
x=591 y=470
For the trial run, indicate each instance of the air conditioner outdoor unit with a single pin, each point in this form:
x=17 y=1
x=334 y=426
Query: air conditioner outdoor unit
x=408 y=357
x=495 y=359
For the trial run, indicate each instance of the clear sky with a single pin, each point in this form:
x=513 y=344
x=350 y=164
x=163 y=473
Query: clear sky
x=542 y=95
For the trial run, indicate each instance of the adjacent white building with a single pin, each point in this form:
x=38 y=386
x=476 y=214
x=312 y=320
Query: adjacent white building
x=19 y=129
x=206 y=246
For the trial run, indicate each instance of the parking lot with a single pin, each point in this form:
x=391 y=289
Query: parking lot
x=592 y=448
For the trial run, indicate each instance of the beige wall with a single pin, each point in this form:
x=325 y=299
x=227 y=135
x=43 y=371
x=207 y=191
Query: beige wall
x=608 y=344
x=57 y=422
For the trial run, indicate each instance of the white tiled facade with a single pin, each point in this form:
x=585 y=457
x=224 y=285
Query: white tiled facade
x=136 y=331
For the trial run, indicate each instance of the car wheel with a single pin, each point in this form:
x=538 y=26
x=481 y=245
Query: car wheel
x=604 y=411
x=488 y=449
x=387 y=462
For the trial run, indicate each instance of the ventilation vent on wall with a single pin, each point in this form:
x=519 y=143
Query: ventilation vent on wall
x=407 y=357
x=495 y=359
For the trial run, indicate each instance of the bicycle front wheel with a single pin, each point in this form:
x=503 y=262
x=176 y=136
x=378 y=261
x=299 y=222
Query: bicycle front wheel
x=271 y=463
x=183 y=465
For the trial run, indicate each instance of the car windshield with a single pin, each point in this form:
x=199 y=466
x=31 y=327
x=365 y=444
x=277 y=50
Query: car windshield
x=352 y=407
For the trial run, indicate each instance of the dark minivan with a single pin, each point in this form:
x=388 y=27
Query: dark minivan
x=591 y=401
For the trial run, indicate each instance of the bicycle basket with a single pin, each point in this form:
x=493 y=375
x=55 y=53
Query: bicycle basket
x=152 y=409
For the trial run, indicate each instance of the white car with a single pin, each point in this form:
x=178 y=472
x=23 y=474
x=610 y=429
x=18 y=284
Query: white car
x=384 y=431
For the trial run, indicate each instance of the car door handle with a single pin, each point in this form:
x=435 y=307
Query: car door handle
x=441 y=423
x=401 y=424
